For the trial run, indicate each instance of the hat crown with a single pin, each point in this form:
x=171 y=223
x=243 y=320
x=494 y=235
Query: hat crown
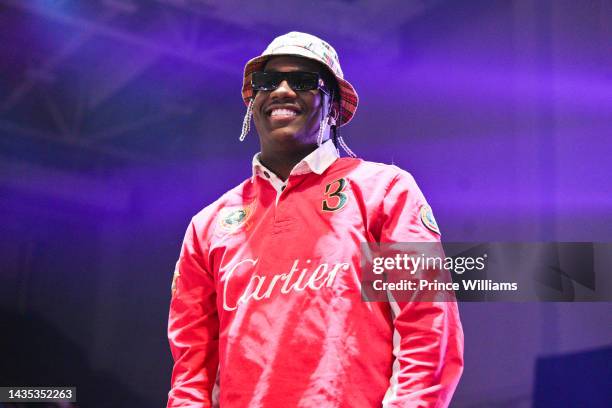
x=303 y=44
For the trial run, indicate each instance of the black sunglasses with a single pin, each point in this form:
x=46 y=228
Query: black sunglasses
x=297 y=80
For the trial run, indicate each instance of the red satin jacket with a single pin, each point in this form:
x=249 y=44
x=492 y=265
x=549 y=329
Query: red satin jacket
x=266 y=307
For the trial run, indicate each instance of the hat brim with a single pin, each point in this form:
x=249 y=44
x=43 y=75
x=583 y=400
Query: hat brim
x=348 y=96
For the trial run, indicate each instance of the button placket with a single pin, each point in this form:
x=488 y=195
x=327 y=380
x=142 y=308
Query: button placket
x=294 y=180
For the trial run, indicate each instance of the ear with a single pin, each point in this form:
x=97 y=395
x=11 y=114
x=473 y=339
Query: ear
x=334 y=113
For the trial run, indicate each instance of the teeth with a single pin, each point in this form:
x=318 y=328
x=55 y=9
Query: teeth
x=283 y=112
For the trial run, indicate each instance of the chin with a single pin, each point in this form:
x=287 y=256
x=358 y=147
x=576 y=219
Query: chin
x=286 y=134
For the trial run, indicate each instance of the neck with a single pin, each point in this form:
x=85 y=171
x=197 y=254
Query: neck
x=282 y=161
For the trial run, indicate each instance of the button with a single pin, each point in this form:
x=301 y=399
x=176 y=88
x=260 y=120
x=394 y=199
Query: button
x=266 y=174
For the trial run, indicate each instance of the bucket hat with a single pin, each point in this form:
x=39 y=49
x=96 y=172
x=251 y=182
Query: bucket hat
x=306 y=46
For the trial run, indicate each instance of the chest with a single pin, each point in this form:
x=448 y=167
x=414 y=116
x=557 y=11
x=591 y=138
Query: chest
x=300 y=240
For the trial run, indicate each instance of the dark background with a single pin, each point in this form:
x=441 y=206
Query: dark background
x=119 y=120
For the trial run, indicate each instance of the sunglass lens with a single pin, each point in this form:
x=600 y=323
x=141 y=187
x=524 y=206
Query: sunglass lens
x=265 y=81
x=298 y=81
x=303 y=81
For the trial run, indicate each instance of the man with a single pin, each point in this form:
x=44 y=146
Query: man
x=266 y=308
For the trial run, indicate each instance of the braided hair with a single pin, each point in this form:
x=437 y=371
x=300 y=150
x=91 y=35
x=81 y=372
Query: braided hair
x=332 y=84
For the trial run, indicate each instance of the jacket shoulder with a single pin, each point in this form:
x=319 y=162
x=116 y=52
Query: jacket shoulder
x=378 y=172
x=234 y=197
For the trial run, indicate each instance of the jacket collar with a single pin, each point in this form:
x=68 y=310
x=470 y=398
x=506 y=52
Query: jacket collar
x=316 y=162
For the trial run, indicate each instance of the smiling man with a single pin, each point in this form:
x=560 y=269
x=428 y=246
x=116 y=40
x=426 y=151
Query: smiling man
x=288 y=120
x=266 y=306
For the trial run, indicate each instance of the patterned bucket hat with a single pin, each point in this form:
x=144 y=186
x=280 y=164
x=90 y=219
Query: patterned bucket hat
x=306 y=46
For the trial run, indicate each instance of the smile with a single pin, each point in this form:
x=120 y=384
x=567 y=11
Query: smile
x=282 y=113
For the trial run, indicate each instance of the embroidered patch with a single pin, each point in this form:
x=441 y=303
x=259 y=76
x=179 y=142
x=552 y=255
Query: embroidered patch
x=335 y=196
x=427 y=218
x=174 y=279
x=232 y=218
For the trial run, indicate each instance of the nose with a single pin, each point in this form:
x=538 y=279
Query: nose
x=283 y=91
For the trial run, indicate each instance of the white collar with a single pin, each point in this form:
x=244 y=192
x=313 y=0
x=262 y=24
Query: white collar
x=317 y=162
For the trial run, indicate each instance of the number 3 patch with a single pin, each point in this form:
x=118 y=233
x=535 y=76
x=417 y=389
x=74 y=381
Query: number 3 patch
x=335 y=198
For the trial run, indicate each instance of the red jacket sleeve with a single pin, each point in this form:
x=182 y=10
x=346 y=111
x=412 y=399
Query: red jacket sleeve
x=428 y=337
x=193 y=328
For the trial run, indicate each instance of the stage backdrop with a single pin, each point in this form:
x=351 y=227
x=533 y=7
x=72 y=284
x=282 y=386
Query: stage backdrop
x=119 y=120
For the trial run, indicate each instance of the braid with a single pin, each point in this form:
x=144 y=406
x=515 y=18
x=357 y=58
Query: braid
x=338 y=138
x=246 y=123
x=345 y=147
x=338 y=122
x=335 y=138
x=322 y=127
